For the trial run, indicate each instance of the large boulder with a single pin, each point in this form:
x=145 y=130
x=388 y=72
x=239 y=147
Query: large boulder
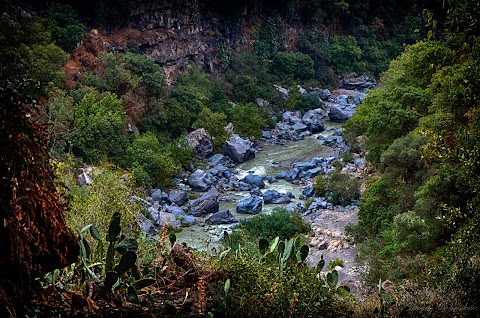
x=355 y=82
x=324 y=94
x=250 y=205
x=162 y=217
x=238 y=149
x=341 y=111
x=308 y=192
x=313 y=120
x=201 y=141
x=199 y=180
x=178 y=197
x=283 y=92
x=219 y=159
x=221 y=217
x=292 y=117
x=206 y=204
x=146 y=225
x=273 y=196
x=254 y=180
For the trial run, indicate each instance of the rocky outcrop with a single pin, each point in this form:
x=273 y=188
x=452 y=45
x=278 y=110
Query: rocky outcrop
x=250 y=205
x=221 y=217
x=357 y=82
x=199 y=180
x=238 y=149
x=206 y=204
x=201 y=141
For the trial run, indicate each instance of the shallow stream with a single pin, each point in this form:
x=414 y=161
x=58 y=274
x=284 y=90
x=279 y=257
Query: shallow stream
x=270 y=160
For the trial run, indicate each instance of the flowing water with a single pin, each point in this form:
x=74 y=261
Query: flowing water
x=268 y=162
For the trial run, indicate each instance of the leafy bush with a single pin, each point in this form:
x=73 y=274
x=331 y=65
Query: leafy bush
x=279 y=223
x=96 y=203
x=62 y=21
x=346 y=55
x=149 y=158
x=273 y=280
x=341 y=189
x=290 y=66
x=99 y=127
x=214 y=124
x=248 y=120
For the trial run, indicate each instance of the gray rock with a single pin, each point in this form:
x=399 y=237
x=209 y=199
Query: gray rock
x=273 y=196
x=254 y=180
x=282 y=91
x=162 y=217
x=305 y=165
x=221 y=217
x=314 y=120
x=201 y=141
x=256 y=191
x=156 y=195
x=309 y=191
x=206 y=204
x=301 y=90
x=175 y=210
x=266 y=134
x=199 y=180
x=313 y=172
x=292 y=174
x=354 y=82
x=359 y=98
x=299 y=127
x=292 y=117
x=84 y=179
x=243 y=186
x=188 y=220
x=238 y=149
x=324 y=94
x=341 y=112
x=219 y=159
x=178 y=197
x=261 y=102
x=250 y=205
x=146 y=225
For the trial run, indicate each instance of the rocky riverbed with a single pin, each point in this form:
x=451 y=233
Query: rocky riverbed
x=277 y=171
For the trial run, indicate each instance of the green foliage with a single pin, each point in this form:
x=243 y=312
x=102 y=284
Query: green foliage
x=248 y=120
x=346 y=55
x=307 y=102
x=341 y=189
x=290 y=66
x=62 y=21
x=99 y=127
x=279 y=223
x=272 y=280
x=214 y=124
x=96 y=203
x=28 y=52
x=149 y=158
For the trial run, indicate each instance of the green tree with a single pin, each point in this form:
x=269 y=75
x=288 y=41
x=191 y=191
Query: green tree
x=62 y=21
x=248 y=120
x=346 y=54
x=214 y=123
x=150 y=160
x=99 y=127
x=290 y=66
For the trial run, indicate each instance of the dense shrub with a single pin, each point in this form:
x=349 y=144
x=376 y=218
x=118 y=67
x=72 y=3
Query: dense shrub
x=248 y=120
x=346 y=55
x=279 y=223
x=62 y=21
x=150 y=161
x=290 y=66
x=99 y=127
x=340 y=188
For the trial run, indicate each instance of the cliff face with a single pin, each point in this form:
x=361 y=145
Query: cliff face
x=173 y=37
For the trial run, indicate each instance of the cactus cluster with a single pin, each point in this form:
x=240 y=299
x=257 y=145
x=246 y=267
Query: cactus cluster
x=119 y=247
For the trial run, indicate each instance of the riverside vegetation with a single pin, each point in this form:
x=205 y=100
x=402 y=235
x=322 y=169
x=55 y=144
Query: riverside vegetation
x=418 y=218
